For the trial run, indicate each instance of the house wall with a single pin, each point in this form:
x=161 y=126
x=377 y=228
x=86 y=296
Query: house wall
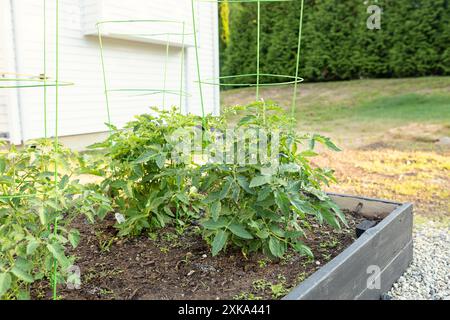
x=130 y=63
x=4 y=129
x=10 y=124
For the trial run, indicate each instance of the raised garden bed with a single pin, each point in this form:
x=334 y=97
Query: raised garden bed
x=388 y=246
x=181 y=267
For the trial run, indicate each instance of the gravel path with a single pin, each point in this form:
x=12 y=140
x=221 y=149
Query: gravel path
x=428 y=277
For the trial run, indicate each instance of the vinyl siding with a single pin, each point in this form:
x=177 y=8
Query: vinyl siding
x=129 y=63
x=3 y=67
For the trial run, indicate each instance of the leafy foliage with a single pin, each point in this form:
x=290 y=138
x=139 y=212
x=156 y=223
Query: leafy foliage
x=147 y=186
x=256 y=205
x=257 y=202
x=336 y=43
x=31 y=202
x=248 y=203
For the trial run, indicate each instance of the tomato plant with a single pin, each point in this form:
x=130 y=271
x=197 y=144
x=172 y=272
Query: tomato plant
x=32 y=204
x=258 y=201
x=261 y=205
x=147 y=186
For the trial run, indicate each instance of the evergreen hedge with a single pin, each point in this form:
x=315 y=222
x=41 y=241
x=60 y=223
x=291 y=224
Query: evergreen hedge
x=414 y=40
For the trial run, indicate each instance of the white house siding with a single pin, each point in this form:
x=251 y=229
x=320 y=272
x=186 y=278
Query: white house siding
x=4 y=129
x=9 y=111
x=129 y=64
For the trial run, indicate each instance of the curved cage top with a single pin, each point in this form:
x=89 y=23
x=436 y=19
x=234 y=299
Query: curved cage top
x=16 y=81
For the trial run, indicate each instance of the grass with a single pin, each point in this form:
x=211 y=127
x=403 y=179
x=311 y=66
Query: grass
x=409 y=107
x=376 y=104
x=389 y=130
x=396 y=109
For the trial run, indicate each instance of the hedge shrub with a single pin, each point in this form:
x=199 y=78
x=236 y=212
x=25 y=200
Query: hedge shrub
x=337 y=45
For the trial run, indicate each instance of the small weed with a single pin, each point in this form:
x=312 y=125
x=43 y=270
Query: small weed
x=278 y=290
x=152 y=236
x=281 y=278
x=326 y=256
x=164 y=250
x=104 y=242
x=262 y=263
x=286 y=259
x=246 y=296
x=301 y=277
x=333 y=243
x=94 y=273
x=106 y=292
x=261 y=285
x=170 y=237
x=187 y=257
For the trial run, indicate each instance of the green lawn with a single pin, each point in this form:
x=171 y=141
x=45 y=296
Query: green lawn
x=362 y=108
x=411 y=107
x=426 y=97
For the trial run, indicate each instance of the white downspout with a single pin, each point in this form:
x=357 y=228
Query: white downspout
x=216 y=37
x=13 y=105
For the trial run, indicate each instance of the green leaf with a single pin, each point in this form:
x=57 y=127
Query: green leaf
x=22 y=274
x=327 y=142
x=235 y=194
x=294 y=234
x=146 y=156
x=289 y=167
x=338 y=212
x=215 y=225
x=303 y=249
x=276 y=247
x=219 y=242
x=330 y=218
x=302 y=206
x=32 y=246
x=212 y=197
x=161 y=160
x=282 y=201
x=263 y=234
x=5 y=283
x=64 y=181
x=23 y=295
x=74 y=237
x=275 y=229
x=247 y=119
x=2 y=165
x=308 y=153
x=225 y=190
x=312 y=144
x=267 y=214
x=183 y=197
x=240 y=231
x=216 y=208
x=260 y=181
x=6 y=180
x=264 y=193
x=43 y=216
x=58 y=253
x=332 y=146
x=242 y=181
x=100 y=145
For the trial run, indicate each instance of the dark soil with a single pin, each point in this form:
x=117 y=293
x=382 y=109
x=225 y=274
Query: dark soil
x=181 y=267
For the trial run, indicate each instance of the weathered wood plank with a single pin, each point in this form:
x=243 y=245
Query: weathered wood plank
x=387 y=246
x=390 y=274
x=369 y=208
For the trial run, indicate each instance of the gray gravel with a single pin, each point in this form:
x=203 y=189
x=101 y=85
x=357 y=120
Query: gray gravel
x=428 y=277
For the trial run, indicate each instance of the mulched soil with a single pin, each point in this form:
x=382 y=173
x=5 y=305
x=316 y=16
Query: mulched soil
x=181 y=267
